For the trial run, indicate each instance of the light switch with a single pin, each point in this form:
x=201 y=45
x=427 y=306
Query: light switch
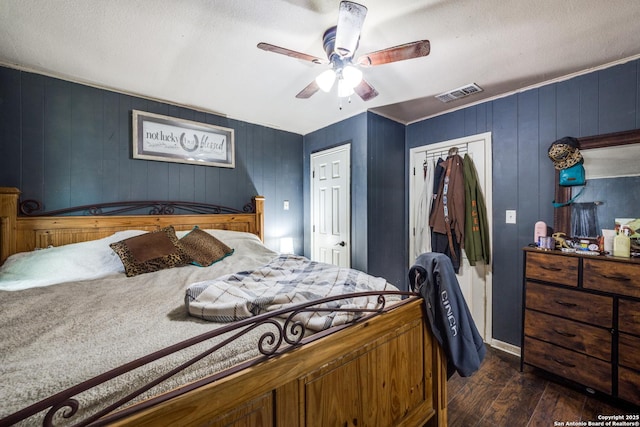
x=510 y=217
x=285 y=205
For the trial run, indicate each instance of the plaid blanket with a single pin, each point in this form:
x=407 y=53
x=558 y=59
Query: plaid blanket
x=285 y=281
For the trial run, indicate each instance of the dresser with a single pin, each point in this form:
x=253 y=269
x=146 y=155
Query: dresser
x=581 y=320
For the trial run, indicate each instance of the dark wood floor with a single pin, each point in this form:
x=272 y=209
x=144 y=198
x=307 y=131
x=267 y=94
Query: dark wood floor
x=499 y=395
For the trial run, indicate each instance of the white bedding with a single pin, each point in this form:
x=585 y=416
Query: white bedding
x=74 y=262
x=50 y=266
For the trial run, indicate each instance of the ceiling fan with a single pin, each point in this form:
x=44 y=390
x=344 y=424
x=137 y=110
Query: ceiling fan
x=340 y=43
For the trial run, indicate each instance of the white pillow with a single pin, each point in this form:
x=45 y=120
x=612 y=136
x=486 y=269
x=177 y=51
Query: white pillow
x=76 y=261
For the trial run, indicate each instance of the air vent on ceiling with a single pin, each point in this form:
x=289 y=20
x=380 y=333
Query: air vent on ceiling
x=460 y=92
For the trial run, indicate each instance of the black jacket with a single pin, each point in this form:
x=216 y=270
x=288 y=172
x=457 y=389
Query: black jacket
x=433 y=277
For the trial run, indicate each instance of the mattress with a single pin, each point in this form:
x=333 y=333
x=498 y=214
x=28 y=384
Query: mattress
x=57 y=333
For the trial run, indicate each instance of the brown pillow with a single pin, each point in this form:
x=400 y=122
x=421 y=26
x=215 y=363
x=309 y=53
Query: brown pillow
x=203 y=248
x=149 y=252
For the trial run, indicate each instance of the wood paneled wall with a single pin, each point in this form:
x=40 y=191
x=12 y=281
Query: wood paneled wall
x=523 y=126
x=67 y=144
x=388 y=240
x=377 y=192
x=354 y=132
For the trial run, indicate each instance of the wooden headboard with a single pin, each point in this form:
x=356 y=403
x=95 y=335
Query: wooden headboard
x=26 y=233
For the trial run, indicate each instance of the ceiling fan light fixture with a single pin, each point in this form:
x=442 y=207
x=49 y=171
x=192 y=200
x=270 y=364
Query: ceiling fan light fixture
x=351 y=75
x=340 y=43
x=344 y=89
x=325 y=80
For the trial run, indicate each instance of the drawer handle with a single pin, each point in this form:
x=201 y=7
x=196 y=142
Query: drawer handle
x=544 y=267
x=561 y=362
x=618 y=278
x=564 y=334
x=566 y=304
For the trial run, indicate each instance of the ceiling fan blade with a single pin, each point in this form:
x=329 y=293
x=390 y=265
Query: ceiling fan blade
x=308 y=91
x=292 y=53
x=393 y=54
x=365 y=90
x=350 y=19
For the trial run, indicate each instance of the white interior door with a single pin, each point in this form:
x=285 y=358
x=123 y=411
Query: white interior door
x=330 y=206
x=475 y=282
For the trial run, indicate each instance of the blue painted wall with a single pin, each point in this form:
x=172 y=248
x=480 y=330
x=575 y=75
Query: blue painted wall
x=387 y=212
x=620 y=198
x=349 y=131
x=523 y=126
x=67 y=144
x=377 y=192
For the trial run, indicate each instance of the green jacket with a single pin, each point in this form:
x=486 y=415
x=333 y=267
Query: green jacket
x=476 y=227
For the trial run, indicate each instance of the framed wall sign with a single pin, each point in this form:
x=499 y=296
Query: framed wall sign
x=169 y=139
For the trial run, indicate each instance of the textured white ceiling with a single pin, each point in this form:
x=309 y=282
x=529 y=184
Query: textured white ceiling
x=202 y=53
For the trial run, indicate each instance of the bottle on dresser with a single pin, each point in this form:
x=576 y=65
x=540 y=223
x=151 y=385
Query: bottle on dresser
x=622 y=244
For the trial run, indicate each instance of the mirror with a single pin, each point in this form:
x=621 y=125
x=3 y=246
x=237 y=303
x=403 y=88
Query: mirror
x=612 y=166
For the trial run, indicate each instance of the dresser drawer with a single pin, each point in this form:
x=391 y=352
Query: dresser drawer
x=629 y=351
x=580 y=368
x=590 y=340
x=629 y=385
x=611 y=276
x=629 y=316
x=552 y=268
x=569 y=303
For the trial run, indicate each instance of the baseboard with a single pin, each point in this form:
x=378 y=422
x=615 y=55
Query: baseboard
x=505 y=346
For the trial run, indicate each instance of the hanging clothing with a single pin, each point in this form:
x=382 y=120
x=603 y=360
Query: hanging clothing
x=449 y=316
x=584 y=220
x=438 y=178
x=440 y=244
x=447 y=213
x=423 y=232
x=476 y=225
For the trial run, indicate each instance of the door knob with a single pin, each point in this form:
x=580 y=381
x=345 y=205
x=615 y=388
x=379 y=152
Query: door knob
x=343 y=244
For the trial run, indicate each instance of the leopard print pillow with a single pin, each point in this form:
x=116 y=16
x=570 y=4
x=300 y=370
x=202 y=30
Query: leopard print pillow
x=150 y=252
x=203 y=248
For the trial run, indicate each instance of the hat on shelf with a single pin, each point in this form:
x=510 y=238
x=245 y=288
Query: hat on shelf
x=565 y=152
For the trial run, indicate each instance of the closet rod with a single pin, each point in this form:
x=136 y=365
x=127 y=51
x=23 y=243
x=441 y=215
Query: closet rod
x=443 y=153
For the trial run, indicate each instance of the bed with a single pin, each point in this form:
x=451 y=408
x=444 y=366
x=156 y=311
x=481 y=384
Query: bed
x=129 y=353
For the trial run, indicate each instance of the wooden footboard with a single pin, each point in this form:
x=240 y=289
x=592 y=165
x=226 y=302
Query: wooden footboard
x=383 y=370
x=386 y=371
